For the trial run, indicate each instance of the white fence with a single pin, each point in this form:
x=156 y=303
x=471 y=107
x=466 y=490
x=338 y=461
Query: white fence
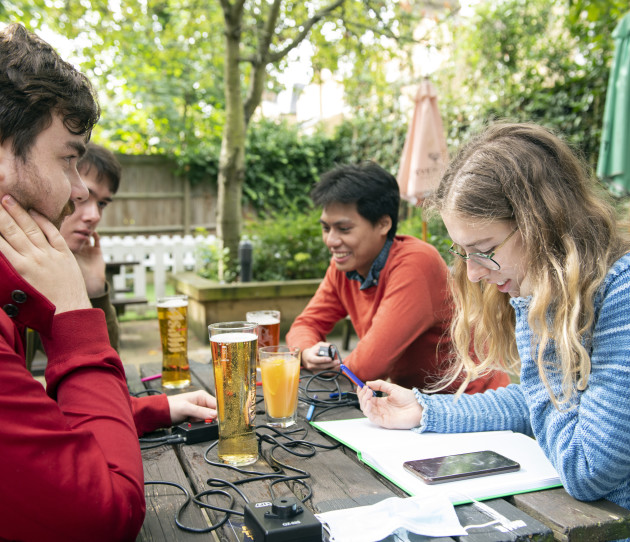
x=161 y=254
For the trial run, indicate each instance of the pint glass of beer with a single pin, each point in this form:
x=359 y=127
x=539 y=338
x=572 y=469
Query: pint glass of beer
x=268 y=326
x=280 y=369
x=173 y=320
x=234 y=346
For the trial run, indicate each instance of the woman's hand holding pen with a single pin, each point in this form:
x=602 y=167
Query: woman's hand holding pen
x=398 y=410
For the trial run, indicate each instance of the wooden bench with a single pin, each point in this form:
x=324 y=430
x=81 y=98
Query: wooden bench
x=120 y=303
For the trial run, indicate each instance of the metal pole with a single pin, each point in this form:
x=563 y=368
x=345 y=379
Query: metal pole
x=245 y=260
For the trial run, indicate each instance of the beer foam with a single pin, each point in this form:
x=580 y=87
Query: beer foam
x=171 y=303
x=233 y=337
x=263 y=319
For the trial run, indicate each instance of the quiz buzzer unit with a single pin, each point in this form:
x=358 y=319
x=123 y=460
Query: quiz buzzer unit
x=283 y=520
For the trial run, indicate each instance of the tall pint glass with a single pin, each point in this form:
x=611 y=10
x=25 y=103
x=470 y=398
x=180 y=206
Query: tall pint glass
x=173 y=320
x=234 y=346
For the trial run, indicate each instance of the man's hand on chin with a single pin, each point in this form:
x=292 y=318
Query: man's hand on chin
x=38 y=252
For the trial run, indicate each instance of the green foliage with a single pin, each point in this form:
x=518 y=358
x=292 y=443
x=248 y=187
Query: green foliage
x=364 y=40
x=201 y=162
x=211 y=258
x=288 y=245
x=157 y=67
x=411 y=223
x=368 y=137
x=282 y=166
x=159 y=71
x=501 y=68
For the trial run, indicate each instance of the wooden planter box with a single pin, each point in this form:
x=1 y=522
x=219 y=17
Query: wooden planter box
x=210 y=302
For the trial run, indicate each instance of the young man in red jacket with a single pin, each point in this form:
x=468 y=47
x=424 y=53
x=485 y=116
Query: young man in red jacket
x=393 y=287
x=74 y=444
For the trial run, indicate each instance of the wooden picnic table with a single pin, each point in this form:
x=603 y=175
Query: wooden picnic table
x=113 y=268
x=338 y=480
x=120 y=303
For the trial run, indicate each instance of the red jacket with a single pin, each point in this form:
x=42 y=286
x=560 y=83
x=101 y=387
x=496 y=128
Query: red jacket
x=71 y=467
x=402 y=322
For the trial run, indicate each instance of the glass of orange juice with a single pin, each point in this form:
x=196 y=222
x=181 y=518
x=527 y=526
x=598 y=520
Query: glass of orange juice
x=280 y=372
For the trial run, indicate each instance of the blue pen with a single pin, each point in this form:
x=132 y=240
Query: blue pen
x=311 y=410
x=353 y=377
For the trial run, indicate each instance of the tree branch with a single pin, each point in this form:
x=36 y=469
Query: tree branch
x=385 y=32
x=232 y=12
x=264 y=43
x=226 y=6
x=306 y=28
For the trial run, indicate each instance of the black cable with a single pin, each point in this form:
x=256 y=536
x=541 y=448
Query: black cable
x=155 y=442
x=341 y=399
x=217 y=483
x=280 y=469
x=292 y=443
x=161 y=441
x=279 y=475
x=181 y=509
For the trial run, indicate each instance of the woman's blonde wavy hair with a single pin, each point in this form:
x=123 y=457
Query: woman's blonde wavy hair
x=527 y=176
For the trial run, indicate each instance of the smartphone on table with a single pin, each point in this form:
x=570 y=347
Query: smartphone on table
x=449 y=468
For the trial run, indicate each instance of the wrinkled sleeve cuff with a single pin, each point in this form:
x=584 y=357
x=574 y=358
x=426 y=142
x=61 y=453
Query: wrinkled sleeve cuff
x=422 y=402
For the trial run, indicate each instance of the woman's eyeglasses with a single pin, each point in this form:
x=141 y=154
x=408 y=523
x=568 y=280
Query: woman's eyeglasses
x=485 y=259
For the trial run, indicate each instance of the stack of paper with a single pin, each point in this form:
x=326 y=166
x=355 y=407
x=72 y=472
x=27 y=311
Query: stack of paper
x=385 y=450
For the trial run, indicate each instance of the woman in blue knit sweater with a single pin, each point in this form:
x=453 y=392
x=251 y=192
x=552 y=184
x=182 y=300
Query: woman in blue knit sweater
x=541 y=280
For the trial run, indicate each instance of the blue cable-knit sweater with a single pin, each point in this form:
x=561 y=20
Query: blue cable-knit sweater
x=589 y=445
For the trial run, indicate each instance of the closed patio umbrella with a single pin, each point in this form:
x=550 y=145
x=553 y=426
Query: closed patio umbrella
x=424 y=154
x=613 y=166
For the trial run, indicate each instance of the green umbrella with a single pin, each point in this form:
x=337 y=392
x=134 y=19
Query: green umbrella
x=614 y=152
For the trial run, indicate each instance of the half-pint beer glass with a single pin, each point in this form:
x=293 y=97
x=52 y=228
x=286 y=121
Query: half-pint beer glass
x=280 y=369
x=268 y=326
x=173 y=320
x=234 y=346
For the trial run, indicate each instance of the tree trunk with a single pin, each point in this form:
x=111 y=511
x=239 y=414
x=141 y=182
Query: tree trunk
x=239 y=113
x=232 y=157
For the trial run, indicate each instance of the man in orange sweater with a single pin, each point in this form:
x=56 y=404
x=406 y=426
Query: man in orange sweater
x=394 y=288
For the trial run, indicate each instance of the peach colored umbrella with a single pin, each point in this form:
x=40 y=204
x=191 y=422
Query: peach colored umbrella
x=424 y=154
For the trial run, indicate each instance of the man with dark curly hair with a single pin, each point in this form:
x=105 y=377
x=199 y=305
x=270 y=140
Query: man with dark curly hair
x=75 y=443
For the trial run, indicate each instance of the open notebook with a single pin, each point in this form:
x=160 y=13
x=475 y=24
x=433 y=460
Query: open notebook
x=385 y=450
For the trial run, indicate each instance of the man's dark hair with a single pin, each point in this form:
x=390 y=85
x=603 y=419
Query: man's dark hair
x=35 y=85
x=107 y=167
x=374 y=190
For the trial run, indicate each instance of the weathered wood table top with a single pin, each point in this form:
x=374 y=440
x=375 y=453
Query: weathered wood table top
x=337 y=479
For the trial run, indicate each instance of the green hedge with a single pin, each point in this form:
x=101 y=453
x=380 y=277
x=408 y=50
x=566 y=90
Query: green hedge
x=288 y=245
